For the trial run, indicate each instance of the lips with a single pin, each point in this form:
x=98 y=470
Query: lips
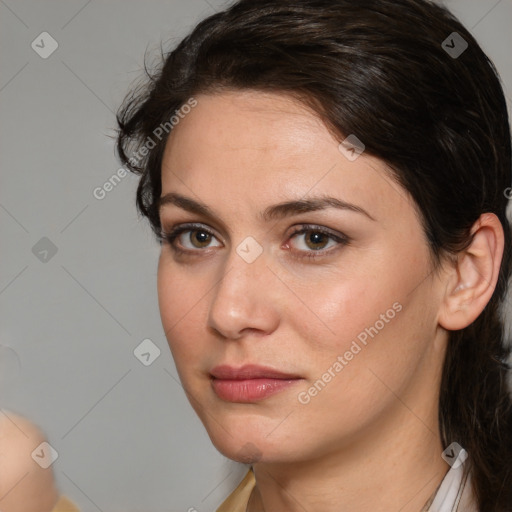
x=250 y=371
x=249 y=383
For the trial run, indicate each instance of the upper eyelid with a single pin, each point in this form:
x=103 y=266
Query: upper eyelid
x=187 y=226
x=199 y=225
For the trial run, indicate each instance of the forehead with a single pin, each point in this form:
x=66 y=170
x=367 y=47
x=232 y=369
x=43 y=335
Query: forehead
x=261 y=145
x=247 y=120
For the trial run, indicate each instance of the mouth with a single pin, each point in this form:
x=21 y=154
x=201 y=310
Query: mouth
x=249 y=383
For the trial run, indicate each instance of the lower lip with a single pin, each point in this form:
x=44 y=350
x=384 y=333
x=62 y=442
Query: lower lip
x=249 y=390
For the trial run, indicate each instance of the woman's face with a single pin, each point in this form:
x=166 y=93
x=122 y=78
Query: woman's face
x=345 y=311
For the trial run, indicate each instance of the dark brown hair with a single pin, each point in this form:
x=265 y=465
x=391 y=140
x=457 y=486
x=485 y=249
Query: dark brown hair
x=378 y=69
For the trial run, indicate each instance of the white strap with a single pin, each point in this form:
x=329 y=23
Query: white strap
x=453 y=488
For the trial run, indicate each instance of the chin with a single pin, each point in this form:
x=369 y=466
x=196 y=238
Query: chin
x=250 y=446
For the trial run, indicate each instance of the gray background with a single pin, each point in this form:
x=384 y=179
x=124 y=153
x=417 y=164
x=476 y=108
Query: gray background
x=126 y=436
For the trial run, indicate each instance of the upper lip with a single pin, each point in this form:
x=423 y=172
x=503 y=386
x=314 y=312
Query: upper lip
x=249 y=371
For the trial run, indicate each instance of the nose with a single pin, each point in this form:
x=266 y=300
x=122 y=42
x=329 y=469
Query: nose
x=245 y=299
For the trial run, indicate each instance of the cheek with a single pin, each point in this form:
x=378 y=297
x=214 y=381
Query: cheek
x=182 y=302
x=373 y=314
x=335 y=308
x=381 y=328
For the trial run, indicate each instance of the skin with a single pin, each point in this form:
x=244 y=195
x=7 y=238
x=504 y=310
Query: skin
x=369 y=440
x=24 y=485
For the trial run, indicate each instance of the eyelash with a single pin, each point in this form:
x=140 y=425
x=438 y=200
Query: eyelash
x=169 y=237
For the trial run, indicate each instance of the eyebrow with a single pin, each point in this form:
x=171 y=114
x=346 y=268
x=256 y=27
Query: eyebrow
x=276 y=211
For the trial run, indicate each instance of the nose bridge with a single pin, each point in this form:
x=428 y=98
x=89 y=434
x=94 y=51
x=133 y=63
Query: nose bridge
x=242 y=295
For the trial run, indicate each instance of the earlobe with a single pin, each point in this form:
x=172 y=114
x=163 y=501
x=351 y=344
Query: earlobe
x=473 y=277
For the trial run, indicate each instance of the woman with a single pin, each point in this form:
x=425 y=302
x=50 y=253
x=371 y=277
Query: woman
x=328 y=180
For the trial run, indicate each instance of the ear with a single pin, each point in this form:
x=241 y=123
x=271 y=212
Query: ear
x=472 y=278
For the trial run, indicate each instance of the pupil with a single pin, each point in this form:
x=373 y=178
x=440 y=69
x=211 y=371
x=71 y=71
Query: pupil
x=316 y=238
x=201 y=237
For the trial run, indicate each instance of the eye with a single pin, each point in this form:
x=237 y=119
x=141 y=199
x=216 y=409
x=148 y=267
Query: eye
x=194 y=238
x=188 y=237
x=315 y=241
